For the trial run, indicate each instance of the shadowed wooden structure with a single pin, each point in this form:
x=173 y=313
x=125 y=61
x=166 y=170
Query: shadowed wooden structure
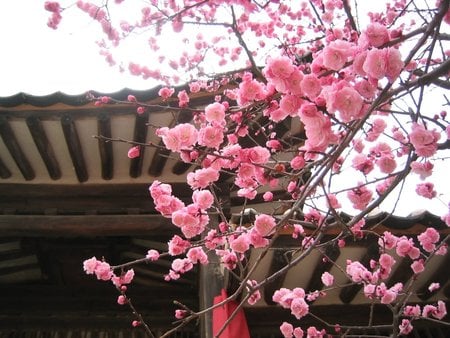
x=66 y=196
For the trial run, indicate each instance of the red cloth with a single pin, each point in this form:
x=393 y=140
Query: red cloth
x=237 y=328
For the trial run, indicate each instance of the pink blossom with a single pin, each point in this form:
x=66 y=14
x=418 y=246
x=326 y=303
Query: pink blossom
x=255 y=295
x=434 y=287
x=197 y=255
x=388 y=241
x=312 y=332
x=360 y=197
x=405 y=327
x=287 y=330
x=347 y=102
x=228 y=258
x=299 y=307
x=387 y=164
x=121 y=300
x=134 y=152
x=182 y=136
x=89 y=265
x=201 y=178
x=177 y=245
x=428 y=238
x=166 y=92
x=152 y=255
x=386 y=263
x=332 y=201
x=241 y=243
x=365 y=89
x=298 y=162
x=298 y=332
x=183 y=99
x=203 y=199
x=257 y=240
x=336 y=54
x=417 y=266
x=363 y=163
x=210 y=136
x=103 y=271
x=215 y=112
x=327 y=279
x=405 y=247
x=426 y=190
x=268 y=196
x=310 y=86
x=424 y=169
x=394 y=63
x=180 y=314
x=412 y=311
x=375 y=64
x=264 y=224
x=250 y=90
x=258 y=155
x=424 y=141
x=377 y=34
x=278 y=68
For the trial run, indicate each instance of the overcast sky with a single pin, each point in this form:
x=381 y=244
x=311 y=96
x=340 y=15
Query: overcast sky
x=38 y=60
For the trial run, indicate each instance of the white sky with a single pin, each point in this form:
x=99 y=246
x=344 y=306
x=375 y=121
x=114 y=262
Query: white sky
x=38 y=60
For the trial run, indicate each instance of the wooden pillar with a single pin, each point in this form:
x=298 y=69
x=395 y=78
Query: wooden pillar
x=211 y=282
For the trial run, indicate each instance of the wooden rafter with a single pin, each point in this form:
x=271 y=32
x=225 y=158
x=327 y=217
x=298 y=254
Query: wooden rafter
x=105 y=147
x=140 y=136
x=44 y=146
x=74 y=146
x=10 y=140
x=4 y=171
x=83 y=225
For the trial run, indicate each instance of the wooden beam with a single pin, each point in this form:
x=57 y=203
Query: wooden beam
x=105 y=147
x=4 y=171
x=140 y=136
x=83 y=225
x=328 y=258
x=10 y=140
x=44 y=147
x=441 y=276
x=279 y=260
x=181 y=167
x=210 y=284
x=74 y=146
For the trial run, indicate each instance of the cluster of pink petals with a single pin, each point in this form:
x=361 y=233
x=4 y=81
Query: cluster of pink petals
x=165 y=203
x=288 y=331
x=360 y=196
x=423 y=169
x=382 y=292
x=55 y=8
x=428 y=239
x=124 y=278
x=179 y=266
x=101 y=269
x=426 y=190
x=181 y=137
x=423 y=140
x=293 y=300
